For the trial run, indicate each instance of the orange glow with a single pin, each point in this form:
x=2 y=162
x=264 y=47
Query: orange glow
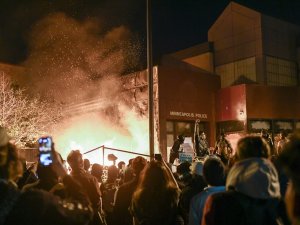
x=233 y=139
x=90 y=131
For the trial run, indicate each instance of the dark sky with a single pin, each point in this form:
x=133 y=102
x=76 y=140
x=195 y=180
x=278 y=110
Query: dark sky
x=177 y=24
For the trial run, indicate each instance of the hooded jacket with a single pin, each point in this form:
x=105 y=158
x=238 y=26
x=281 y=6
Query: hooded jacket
x=252 y=197
x=254 y=177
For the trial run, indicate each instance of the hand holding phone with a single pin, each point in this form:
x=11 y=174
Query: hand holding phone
x=49 y=157
x=45 y=150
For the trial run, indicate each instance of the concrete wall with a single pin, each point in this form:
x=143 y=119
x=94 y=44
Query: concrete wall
x=279 y=38
x=188 y=92
x=236 y=34
x=203 y=61
x=272 y=102
x=231 y=103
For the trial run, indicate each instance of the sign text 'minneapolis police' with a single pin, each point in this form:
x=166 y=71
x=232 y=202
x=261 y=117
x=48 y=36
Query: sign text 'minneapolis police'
x=190 y=115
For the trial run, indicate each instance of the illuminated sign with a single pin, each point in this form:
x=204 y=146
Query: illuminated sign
x=190 y=115
x=186 y=157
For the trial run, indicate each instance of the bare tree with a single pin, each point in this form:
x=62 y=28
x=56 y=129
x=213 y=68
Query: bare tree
x=25 y=118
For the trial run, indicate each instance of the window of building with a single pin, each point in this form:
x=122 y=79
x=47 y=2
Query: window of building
x=170 y=127
x=242 y=69
x=226 y=73
x=170 y=140
x=280 y=125
x=255 y=126
x=230 y=126
x=281 y=72
x=175 y=128
x=184 y=128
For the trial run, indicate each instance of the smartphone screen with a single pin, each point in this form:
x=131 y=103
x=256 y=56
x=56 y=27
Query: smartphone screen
x=45 y=149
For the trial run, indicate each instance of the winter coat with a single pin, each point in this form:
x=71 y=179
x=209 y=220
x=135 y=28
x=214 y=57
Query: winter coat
x=37 y=207
x=90 y=186
x=198 y=202
x=252 y=197
x=161 y=209
x=123 y=201
x=192 y=187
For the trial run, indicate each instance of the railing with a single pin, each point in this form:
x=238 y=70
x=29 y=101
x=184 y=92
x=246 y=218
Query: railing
x=103 y=148
x=31 y=154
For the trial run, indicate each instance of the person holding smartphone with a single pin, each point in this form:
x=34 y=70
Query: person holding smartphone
x=41 y=207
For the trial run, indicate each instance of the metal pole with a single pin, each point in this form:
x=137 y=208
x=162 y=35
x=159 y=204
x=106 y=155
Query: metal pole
x=150 y=80
x=103 y=154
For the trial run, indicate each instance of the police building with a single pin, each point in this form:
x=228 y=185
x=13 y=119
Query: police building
x=244 y=79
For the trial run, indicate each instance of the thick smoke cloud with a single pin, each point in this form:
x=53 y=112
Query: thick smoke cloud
x=72 y=60
x=78 y=65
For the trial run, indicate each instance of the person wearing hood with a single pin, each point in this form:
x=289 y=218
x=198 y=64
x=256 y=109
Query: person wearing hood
x=252 y=190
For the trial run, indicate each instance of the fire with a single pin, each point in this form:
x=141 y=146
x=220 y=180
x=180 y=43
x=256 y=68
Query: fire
x=90 y=131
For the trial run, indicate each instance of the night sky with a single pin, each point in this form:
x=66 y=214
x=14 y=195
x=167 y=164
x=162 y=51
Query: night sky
x=177 y=24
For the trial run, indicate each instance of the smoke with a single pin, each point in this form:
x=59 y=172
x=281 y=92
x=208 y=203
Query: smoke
x=70 y=59
x=78 y=64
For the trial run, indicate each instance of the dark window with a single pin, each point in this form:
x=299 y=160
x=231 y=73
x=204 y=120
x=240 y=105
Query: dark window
x=280 y=125
x=175 y=128
x=170 y=127
x=255 y=126
x=230 y=126
x=297 y=125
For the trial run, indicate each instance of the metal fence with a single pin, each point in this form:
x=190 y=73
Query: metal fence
x=104 y=150
x=31 y=154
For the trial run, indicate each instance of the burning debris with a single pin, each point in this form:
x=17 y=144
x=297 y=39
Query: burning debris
x=79 y=65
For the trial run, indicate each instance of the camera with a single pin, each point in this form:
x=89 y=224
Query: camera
x=45 y=151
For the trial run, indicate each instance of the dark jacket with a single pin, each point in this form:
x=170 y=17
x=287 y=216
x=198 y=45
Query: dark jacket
x=122 y=202
x=175 y=150
x=161 y=209
x=37 y=207
x=90 y=185
x=192 y=187
x=252 y=197
x=235 y=208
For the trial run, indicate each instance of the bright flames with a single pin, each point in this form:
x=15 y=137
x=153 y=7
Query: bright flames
x=90 y=131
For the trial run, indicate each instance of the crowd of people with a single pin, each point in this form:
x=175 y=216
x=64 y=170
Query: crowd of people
x=256 y=185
